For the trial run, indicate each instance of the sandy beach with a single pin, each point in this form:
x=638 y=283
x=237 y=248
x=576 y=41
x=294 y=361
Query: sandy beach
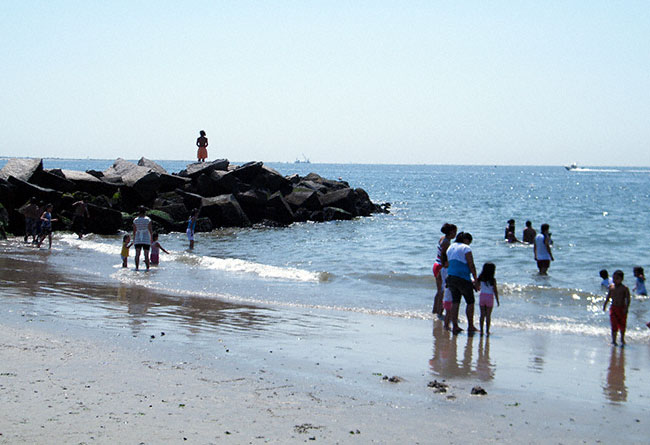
x=88 y=363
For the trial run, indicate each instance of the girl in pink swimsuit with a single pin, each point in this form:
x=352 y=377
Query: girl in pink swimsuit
x=488 y=294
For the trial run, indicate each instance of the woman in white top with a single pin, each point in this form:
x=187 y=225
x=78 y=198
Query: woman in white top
x=142 y=236
x=542 y=249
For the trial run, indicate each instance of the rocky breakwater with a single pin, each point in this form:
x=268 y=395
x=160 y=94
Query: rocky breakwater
x=227 y=195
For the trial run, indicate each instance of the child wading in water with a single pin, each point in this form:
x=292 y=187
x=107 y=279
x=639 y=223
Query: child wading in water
x=46 y=225
x=126 y=244
x=639 y=288
x=156 y=247
x=488 y=294
x=620 y=296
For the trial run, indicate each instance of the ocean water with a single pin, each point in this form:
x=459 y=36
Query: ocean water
x=381 y=265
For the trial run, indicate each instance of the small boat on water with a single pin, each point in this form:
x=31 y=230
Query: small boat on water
x=573 y=166
x=304 y=160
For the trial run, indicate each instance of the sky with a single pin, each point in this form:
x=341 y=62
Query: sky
x=403 y=82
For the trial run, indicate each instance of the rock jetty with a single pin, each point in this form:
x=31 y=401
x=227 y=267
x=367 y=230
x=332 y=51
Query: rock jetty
x=227 y=196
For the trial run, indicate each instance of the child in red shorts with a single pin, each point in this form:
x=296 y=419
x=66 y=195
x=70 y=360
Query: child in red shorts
x=620 y=296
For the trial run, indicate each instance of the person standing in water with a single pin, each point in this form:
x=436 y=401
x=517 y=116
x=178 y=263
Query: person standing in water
x=79 y=218
x=191 y=226
x=542 y=250
x=449 y=231
x=142 y=237
x=620 y=296
x=202 y=143
x=529 y=233
x=459 y=280
x=46 y=225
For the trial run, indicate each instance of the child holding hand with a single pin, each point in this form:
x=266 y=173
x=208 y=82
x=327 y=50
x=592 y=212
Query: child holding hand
x=156 y=247
x=126 y=244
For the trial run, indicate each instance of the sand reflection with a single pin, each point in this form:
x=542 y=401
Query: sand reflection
x=614 y=388
x=446 y=362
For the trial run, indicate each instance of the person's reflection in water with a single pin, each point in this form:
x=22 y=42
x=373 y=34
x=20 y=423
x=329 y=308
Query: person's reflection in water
x=615 y=389
x=484 y=368
x=445 y=361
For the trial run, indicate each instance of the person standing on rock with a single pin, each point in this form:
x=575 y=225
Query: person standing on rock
x=142 y=237
x=202 y=143
x=191 y=226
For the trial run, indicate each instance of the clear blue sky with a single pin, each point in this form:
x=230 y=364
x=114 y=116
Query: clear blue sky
x=457 y=82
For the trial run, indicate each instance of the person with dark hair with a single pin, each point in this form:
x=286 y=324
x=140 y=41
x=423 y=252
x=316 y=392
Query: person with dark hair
x=607 y=280
x=32 y=215
x=79 y=218
x=620 y=296
x=202 y=143
x=440 y=265
x=488 y=293
x=142 y=237
x=191 y=226
x=156 y=247
x=542 y=250
x=46 y=225
x=639 y=287
x=459 y=281
x=529 y=233
x=510 y=232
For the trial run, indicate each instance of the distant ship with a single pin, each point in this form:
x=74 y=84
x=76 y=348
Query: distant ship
x=573 y=166
x=304 y=160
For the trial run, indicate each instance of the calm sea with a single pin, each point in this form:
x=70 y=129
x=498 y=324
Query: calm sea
x=382 y=265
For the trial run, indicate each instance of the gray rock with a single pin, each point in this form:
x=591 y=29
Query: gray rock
x=306 y=198
x=197 y=168
x=103 y=220
x=22 y=169
x=333 y=213
x=342 y=199
x=144 y=162
x=277 y=209
x=224 y=211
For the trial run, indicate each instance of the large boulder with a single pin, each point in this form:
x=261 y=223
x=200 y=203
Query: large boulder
x=247 y=172
x=198 y=168
x=103 y=220
x=24 y=190
x=272 y=181
x=224 y=211
x=49 y=179
x=342 y=199
x=144 y=162
x=305 y=198
x=190 y=200
x=333 y=213
x=277 y=209
x=329 y=183
x=253 y=202
x=22 y=169
x=87 y=183
x=142 y=180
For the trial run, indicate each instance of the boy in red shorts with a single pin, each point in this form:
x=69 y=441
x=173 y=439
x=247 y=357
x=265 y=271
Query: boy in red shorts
x=620 y=296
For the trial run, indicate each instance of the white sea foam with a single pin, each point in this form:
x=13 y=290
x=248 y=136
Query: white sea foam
x=232 y=265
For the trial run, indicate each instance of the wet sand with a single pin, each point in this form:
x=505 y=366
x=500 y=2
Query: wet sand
x=87 y=363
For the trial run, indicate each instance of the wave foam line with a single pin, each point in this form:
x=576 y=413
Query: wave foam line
x=232 y=265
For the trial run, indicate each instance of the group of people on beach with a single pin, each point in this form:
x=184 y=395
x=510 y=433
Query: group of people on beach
x=456 y=278
x=146 y=241
x=38 y=220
